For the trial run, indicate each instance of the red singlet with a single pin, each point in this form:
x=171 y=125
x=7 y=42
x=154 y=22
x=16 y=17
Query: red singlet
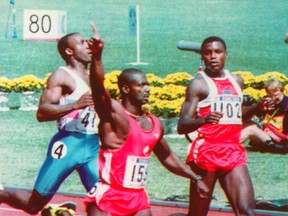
x=123 y=173
x=217 y=147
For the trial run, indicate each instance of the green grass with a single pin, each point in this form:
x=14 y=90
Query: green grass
x=24 y=143
x=254 y=32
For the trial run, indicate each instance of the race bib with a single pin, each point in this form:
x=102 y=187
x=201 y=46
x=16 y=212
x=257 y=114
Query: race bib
x=59 y=150
x=230 y=106
x=83 y=121
x=136 y=172
x=87 y=121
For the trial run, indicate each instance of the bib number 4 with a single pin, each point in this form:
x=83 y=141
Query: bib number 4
x=59 y=150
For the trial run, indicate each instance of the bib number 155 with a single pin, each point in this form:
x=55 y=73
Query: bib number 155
x=136 y=172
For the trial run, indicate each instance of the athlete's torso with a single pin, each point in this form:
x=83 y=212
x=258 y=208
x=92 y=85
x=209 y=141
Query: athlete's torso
x=81 y=120
x=225 y=96
x=127 y=167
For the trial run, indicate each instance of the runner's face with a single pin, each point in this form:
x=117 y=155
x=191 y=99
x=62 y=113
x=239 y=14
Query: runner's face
x=276 y=95
x=139 y=89
x=81 y=51
x=214 y=56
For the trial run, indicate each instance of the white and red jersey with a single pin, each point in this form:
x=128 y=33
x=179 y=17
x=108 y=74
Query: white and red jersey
x=225 y=96
x=81 y=120
x=127 y=167
x=217 y=147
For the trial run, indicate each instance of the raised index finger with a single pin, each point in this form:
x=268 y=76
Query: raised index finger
x=95 y=32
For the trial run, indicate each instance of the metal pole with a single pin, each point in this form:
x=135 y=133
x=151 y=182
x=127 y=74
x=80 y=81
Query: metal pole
x=138 y=62
x=138 y=33
x=12 y=7
x=7 y=23
x=12 y=2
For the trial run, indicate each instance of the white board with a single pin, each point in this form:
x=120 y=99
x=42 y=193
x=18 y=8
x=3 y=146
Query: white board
x=44 y=24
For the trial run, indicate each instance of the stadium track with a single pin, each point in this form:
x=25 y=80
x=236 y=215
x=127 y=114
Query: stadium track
x=159 y=208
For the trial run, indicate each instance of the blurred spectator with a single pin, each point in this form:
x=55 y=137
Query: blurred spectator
x=269 y=131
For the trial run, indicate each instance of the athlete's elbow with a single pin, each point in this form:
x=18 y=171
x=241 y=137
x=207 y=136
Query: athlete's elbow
x=40 y=117
x=181 y=128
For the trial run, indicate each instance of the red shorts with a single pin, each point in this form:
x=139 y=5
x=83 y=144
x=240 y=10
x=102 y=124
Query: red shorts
x=118 y=201
x=215 y=157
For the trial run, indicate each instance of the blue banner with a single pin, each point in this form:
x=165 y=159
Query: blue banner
x=132 y=20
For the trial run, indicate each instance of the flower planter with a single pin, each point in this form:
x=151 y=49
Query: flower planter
x=4 y=98
x=170 y=125
x=172 y=122
x=166 y=125
x=29 y=100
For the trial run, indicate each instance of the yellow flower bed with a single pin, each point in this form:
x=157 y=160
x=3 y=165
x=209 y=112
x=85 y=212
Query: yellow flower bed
x=255 y=93
x=258 y=82
x=178 y=78
x=154 y=80
x=167 y=94
x=111 y=83
x=28 y=83
x=5 y=84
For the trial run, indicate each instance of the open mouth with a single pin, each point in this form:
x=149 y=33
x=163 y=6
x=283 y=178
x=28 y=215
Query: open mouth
x=213 y=63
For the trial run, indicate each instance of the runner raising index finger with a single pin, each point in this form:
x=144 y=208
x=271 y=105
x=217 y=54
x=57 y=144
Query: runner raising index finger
x=96 y=34
x=129 y=135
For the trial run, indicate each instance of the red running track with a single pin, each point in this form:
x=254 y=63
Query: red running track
x=159 y=208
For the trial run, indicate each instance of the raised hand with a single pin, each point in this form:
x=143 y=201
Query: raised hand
x=266 y=104
x=95 y=44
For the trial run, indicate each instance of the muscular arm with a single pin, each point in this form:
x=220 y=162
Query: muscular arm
x=171 y=161
x=49 y=108
x=196 y=91
x=114 y=123
x=99 y=92
x=175 y=165
x=187 y=121
x=101 y=97
x=106 y=108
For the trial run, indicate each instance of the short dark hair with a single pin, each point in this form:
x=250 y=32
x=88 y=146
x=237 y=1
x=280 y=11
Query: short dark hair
x=126 y=77
x=213 y=39
x=63 y=43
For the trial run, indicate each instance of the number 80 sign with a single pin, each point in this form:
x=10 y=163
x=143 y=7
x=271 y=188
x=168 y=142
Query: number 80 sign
x=44 y=24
